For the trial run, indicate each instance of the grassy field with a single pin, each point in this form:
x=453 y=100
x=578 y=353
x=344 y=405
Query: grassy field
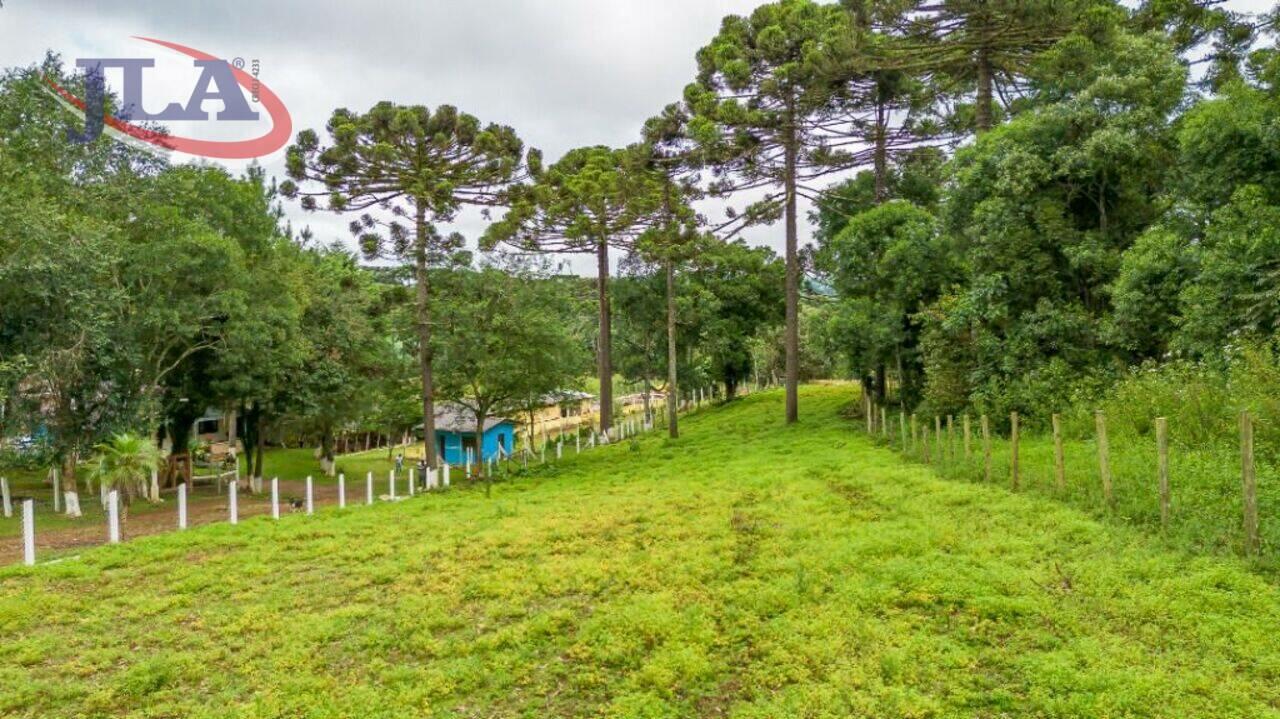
x=1206 y=504
x=746 y=570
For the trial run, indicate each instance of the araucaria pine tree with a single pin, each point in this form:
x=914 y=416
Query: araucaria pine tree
x=406 y=169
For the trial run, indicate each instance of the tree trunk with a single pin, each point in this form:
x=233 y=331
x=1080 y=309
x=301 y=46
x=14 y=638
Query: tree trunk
x=424 y=338
x=882 y=383
x=881 y=152
x=792 y=340
x=70 y=495
x=673 y=428
x=605 y=346
x=984 y=111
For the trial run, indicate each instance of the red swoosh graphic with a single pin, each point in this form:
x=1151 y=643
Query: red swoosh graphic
x=281 y=121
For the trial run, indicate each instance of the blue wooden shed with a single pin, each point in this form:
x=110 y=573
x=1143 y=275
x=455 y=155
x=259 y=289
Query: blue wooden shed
x=456 y=433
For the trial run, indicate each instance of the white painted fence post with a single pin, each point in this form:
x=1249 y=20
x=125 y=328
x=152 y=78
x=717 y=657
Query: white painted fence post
x=392 y=482
x=182 y=506
x=57 y=491
x=4 y=494
x=559 y=450
x=311 y=505
x=446 y=475
x=577 y=443
x=113 y=516
x=342 y=491
x=368 y=489
x=233 y=502
x=275 y=497
x=413 y=480
x=29 y=532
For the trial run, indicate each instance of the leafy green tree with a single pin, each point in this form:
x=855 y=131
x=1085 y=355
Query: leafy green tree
x=505 y=336
x=415 y=165
x=756 y=116
x=887 y=264
x=591 y=200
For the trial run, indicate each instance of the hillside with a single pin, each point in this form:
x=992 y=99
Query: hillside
x=747 y=570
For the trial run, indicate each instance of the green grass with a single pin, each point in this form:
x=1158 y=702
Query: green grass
x=1206 y=505
x=747 y=570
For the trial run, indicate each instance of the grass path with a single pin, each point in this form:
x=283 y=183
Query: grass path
x=747 y=570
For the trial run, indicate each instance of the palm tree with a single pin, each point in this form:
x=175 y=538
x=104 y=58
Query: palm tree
x=125 y=464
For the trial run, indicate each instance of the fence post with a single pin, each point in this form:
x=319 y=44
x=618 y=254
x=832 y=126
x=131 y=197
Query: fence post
x=113 y=516
x=342 y=490
x=1251 y=542
x=368 y=488
x=1013 y=450
x=311 y=506
x=29 y=532
x=57 y=491
x=275 y=497
x=866 y=408
x=391 y=481
x=986 y=446
x=937 y=439
x=968 y=447
x=1162 y=468
x=924 y=443
x=902 y=429
x=413 y=481
x=915 y=432
x=446 y=474
x=1059 y=462
x=884 y=423
x=1104 y=457
x=951 y=438
x=233 y=504
x=4 y=496
x=182 y=506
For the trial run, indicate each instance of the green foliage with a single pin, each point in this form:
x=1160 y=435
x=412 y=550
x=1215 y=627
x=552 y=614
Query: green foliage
x=125 y=464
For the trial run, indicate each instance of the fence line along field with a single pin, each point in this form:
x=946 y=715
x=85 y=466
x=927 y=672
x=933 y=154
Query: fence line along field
x=748 y=569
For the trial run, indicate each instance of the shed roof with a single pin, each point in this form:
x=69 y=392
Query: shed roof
x=453 y=417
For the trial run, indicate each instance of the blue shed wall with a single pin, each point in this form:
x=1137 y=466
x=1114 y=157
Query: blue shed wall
x=452 y=441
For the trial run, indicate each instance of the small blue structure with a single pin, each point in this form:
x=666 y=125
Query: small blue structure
x=456 y=433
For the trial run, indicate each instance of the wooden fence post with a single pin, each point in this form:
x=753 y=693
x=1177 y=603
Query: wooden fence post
x=1251 y=543
x=57 y=490
x=937 y=439
x=1104 y=457
x=866 y=408
x=968 y=447
x=902 y=429
x=5 y=497
x=1059 y=462
x=1162 y=468
x=884 y=423
x=915 y=432
x=182 y=506
x=924 y=444
x=275 y=497
x=1013 y=450
x=951 y=438
x=986 y=446
x=29 y=532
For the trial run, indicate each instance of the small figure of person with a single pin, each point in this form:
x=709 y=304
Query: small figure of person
x=400 y=463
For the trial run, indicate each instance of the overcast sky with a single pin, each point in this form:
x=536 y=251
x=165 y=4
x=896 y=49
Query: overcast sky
x=563 y=73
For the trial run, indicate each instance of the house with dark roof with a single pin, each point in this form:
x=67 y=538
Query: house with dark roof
x=456 y=435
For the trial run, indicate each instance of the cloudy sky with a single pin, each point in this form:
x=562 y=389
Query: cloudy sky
x=563 y=73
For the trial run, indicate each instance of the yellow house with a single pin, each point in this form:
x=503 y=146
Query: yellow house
x=561 y=413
